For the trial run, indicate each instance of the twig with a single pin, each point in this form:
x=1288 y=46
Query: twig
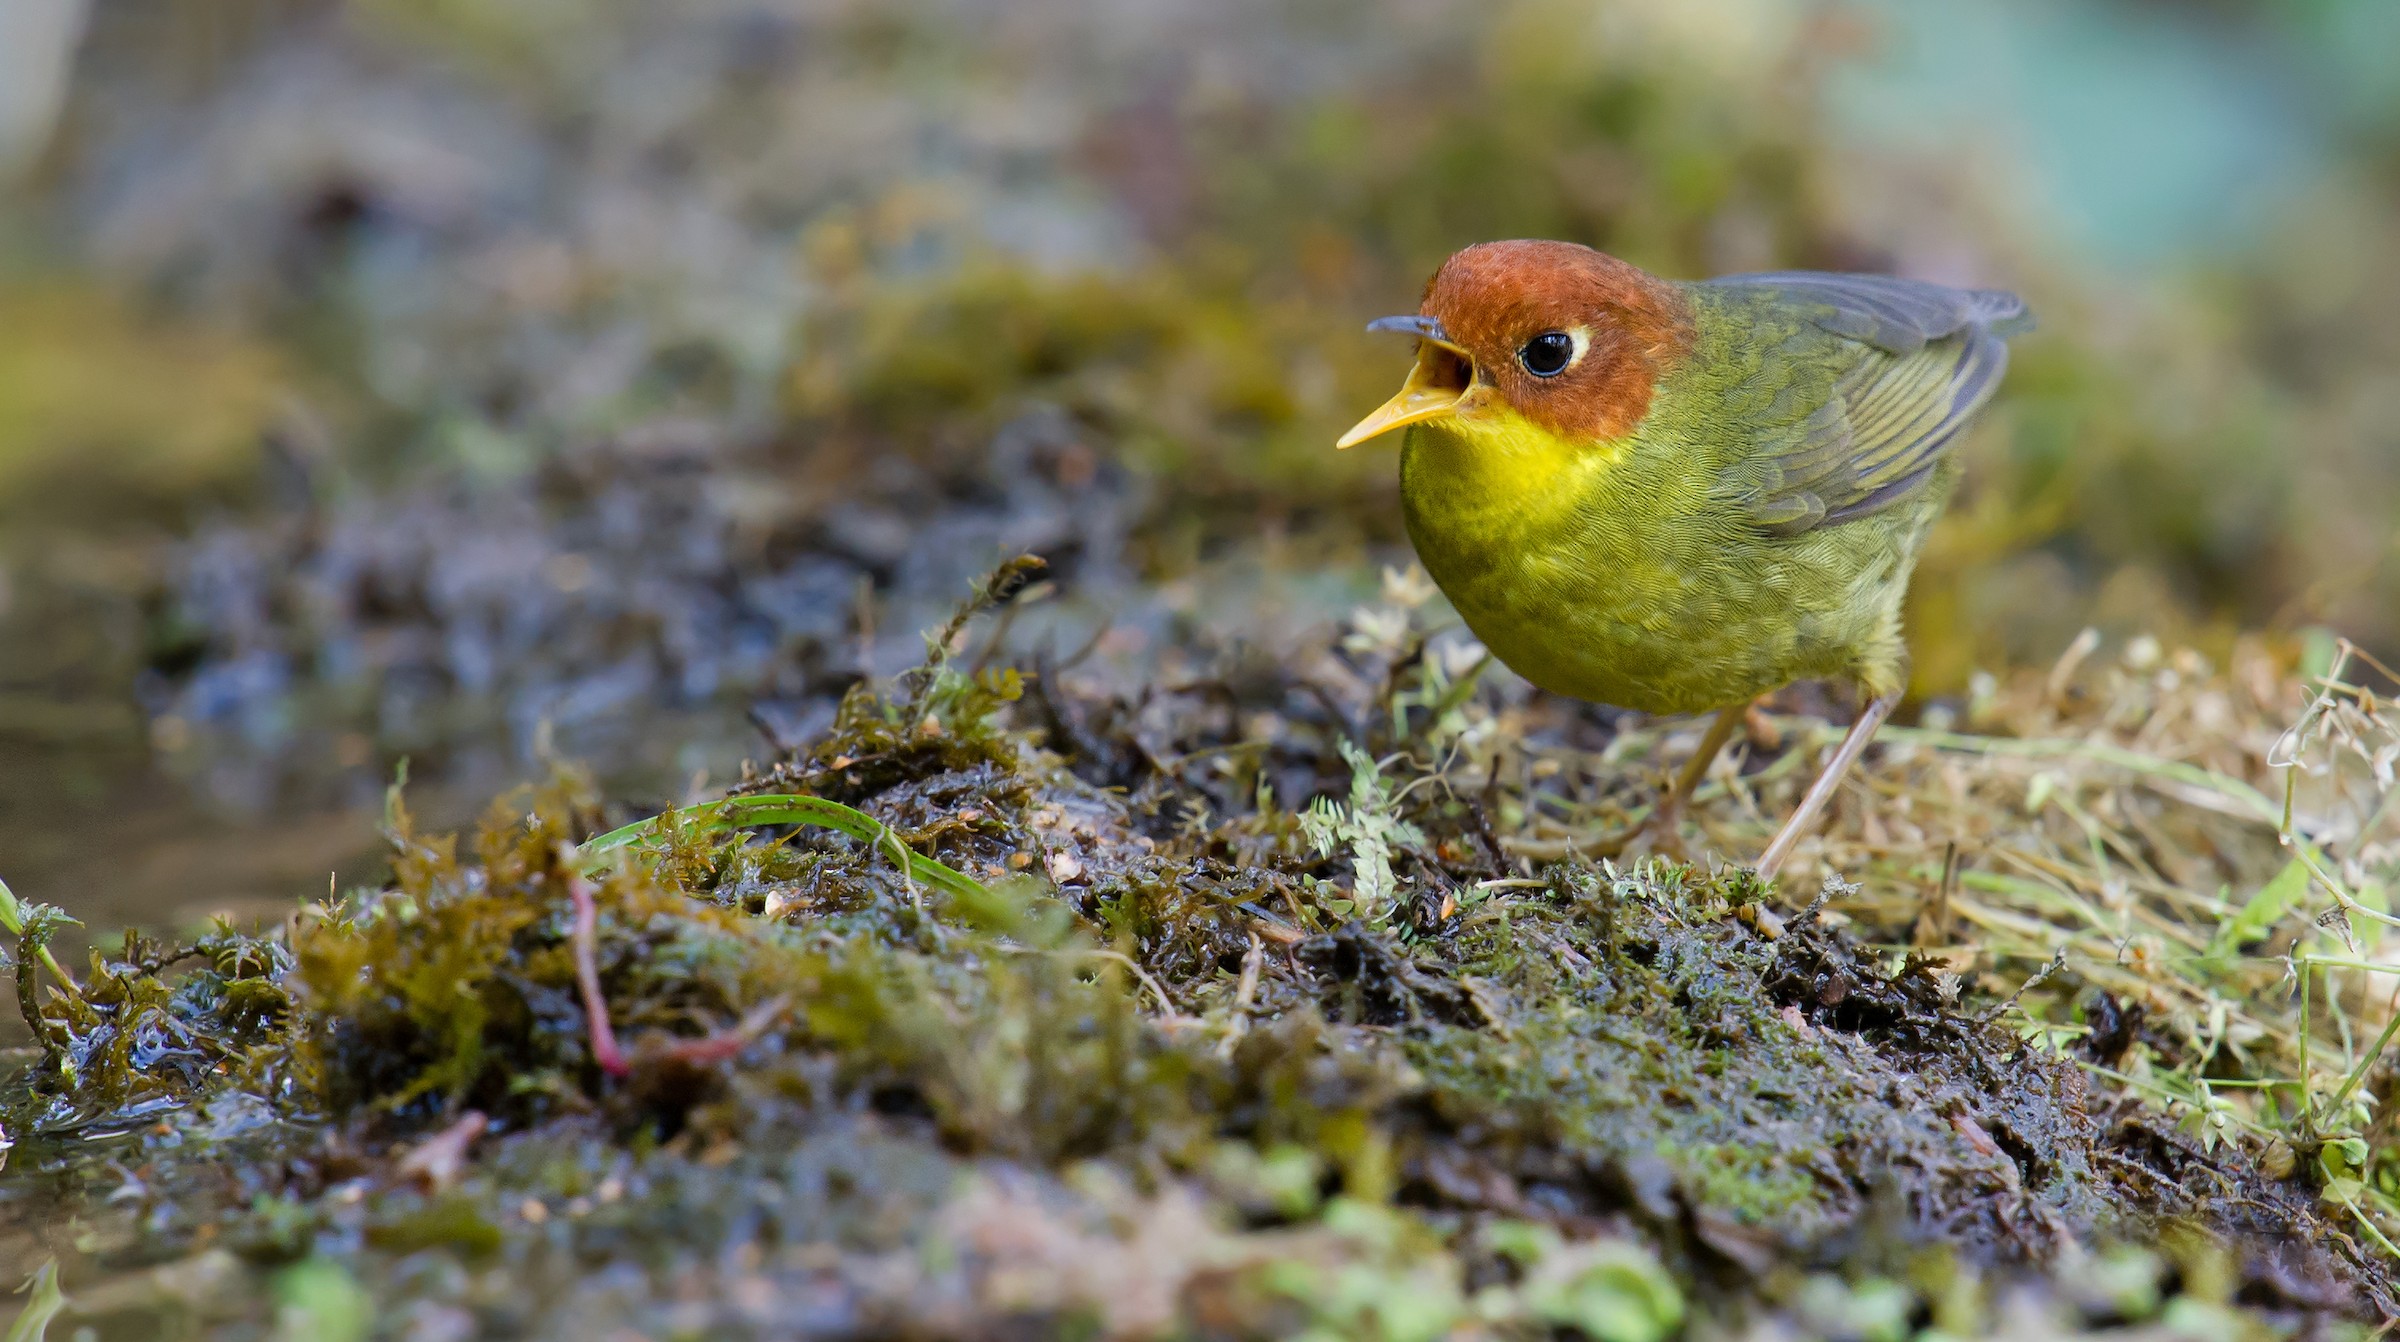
x=1165 y=1003
x=1939 y=931
x=998 y=588
x=1479 y=813
x=1834 y=885
x=2058 y=961
x=29 y=1005
x=1245 y=991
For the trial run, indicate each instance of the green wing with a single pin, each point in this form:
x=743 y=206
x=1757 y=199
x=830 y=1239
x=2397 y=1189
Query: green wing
x=1859 y=384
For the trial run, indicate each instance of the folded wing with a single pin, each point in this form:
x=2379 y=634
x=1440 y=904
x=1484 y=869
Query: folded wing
x=1909 y=364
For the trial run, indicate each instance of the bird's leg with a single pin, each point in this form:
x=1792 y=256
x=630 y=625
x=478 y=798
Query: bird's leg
x=1664 y=824
x=1821 y=791
x=1668 y=816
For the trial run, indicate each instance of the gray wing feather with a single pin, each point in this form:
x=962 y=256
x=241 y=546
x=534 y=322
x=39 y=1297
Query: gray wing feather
x=1894 y=315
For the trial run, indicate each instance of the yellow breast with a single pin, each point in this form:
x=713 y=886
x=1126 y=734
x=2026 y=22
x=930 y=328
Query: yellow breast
x=1599 y=570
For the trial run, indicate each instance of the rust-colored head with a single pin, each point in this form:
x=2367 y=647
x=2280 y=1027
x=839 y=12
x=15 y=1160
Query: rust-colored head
x=1572 y=339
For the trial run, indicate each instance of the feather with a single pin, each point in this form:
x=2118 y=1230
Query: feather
x=1880 y=374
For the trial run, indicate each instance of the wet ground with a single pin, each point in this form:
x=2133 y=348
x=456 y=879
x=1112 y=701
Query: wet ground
x=555 y=402
x=1175 y=1079
x=656 y=616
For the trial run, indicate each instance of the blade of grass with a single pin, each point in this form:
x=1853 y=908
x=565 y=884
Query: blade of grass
x=2244 y=799
x=787 y=809
x=2261 y=911
x=47 y=1302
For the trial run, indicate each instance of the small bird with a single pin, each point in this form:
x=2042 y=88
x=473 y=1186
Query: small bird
x=1678 y=496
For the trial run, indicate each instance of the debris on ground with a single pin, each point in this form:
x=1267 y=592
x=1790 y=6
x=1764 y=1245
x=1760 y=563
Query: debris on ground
x=960 y=1018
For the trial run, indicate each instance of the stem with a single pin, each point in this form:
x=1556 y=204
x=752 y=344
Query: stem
x=2305 y=854
x=587 y=978
x=65 y=979
x=1460 y=689
x=1166 y=1004
x=2161 y=1092
x=2375 y=1232
x=47 y=1303
x=2359 y=1073
x=12 y=919
x=2308 y=1091
x=29 y=1005
x=2339 y=962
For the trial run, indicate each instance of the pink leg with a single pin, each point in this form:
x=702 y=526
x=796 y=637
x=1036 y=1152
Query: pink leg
x=1821 y=791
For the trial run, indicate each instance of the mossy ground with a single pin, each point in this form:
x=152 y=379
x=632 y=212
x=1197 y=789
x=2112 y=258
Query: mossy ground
x=1164 y=1065
x=661 y=404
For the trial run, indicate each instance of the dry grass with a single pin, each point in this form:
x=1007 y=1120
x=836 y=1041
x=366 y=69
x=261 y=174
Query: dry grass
x=2160 y=851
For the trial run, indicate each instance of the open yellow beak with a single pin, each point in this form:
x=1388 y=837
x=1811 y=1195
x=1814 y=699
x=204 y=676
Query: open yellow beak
x=1443 y=374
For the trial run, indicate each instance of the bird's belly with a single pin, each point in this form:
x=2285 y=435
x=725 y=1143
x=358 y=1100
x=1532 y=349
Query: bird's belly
x=1580 y=638
x=1670 y=617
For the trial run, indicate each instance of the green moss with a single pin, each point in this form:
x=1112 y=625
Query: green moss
x=856 y=1075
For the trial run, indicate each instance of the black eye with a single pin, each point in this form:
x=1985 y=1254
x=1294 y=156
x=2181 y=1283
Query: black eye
x=1548 y=354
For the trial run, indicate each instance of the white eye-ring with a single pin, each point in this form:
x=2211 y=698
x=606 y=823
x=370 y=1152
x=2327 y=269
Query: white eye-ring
x=1554 y=352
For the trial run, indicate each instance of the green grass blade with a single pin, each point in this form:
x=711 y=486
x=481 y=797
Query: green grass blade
x=786 y=809
x=2366 y=1061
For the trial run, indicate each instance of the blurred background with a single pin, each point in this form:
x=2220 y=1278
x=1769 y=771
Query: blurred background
x=479 y=382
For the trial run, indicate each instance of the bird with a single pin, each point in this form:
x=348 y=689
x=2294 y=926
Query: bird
x=1678 y=496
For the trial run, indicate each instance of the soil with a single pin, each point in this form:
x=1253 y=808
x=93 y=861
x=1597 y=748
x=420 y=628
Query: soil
x=1141 y=1061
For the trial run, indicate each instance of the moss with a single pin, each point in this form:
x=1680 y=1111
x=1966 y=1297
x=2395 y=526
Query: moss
x=1593 y=1099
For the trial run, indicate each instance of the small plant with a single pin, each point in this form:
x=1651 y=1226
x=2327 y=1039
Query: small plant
x=33 y=926
x=1368 y=830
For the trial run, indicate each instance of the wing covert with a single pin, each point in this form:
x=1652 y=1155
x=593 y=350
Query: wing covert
x=1909 y=363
